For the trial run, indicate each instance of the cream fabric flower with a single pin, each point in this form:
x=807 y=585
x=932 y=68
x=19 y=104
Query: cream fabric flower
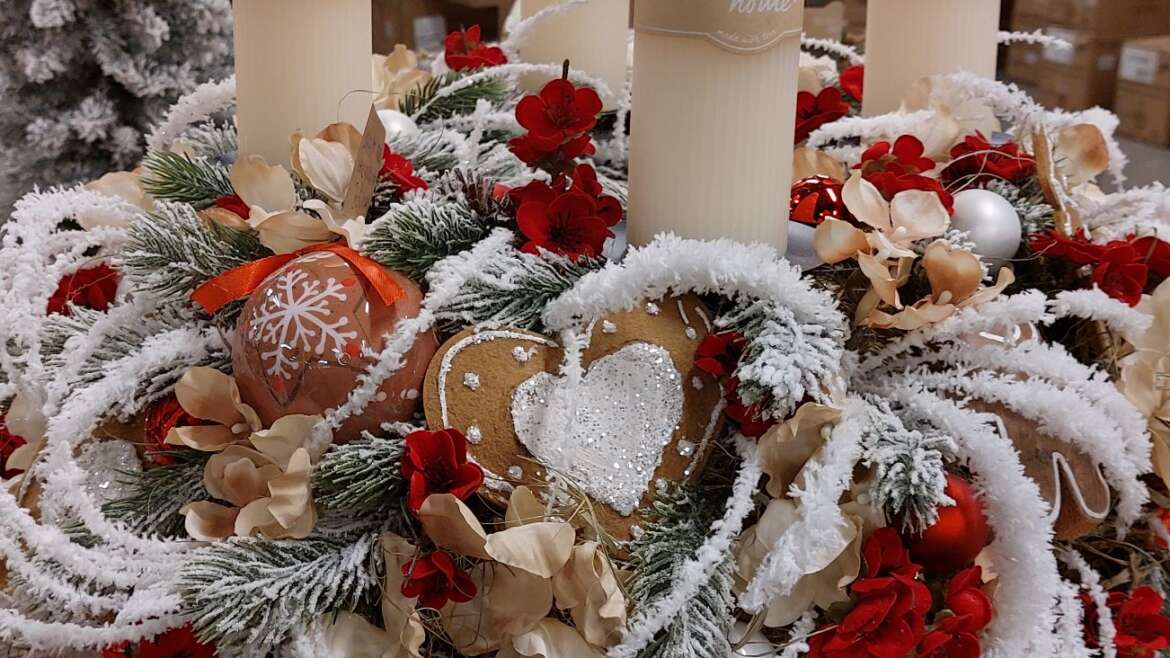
x=210 y=395
x=550 y=639
x=26 y=420
x=787 y=447
x=395 y=76
x=1145 y=375
x=268 y=486
x=272 y=204
x=588 y=588
x=124 y=185
x=808 y=162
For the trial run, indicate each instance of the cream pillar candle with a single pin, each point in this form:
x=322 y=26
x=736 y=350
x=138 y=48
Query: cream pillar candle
x=713 y=118
x=593 y=36
x=907 y=40
x=297 y=62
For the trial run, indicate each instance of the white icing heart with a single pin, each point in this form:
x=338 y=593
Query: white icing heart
x=608 y=433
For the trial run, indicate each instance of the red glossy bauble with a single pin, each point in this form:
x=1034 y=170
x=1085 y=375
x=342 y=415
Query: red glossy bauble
x=162 y=416
x=960 y=533
x=817 y=198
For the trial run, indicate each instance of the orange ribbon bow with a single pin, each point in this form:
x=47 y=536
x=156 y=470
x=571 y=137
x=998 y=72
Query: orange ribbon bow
x=241 y=281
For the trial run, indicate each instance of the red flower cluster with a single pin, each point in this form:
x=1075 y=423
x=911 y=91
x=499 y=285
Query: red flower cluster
x=888 y=620
x=901 y=166
x=162 y=417
x=812 y=112
x=9 y=442
x=975 y=161
x=853 y=82
x=954 y=636
x=400 y=171
x=1142 y=630
x=465 y=51
x=434 y=580
x=570 y=218
x=93 y=287
x=233 y=203
x=1121 y=268
x=558 y=121
x=718 y=355
x=175 y=643
x=436 y=462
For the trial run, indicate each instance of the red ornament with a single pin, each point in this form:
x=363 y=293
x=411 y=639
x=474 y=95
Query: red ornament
x=233 y=203
x=9 y=442
x=957 y=537
x=436 y=463
x=817 y=198
x=434 y=580
x=93 y=288
x=465 y=51
x=162 y=417
x=814 y=111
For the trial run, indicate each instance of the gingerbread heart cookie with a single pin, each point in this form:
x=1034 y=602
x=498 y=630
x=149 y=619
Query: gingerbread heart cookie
x=634 y=412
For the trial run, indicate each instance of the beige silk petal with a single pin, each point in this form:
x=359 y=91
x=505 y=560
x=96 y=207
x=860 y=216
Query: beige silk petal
x=214 y=471
x=349 y=635
x=209 y=394
x=883 y=248
x=808 y=162
x=589 y=589
x=291 y=496
x=23 y=457
x=939 y=134
x=836 y=241
x=523 y=508
x=471 y=626
x=206 y=521
x=26 y=418
x=286 y=436
x=866 y=203
x=255 y=518
x=917 y=215
x=262 y=185
x=1005 y=278
x=226 y=218
x=550 y=639
x=878 y=273
x=327 y=165
x=452 y=526
x=785 y=610
x=786 y=448
x=1081 y=153
x=954 y=274
x=539 y=548
x=345 y=134
x=1161 y=455
x=809 y=80
x=204 y=438
x=286 y=232
x=243 y=482
x=399 y=616
x=518 y=599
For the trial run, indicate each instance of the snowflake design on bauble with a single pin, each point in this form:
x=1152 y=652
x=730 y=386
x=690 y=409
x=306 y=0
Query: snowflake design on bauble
x=296 y=316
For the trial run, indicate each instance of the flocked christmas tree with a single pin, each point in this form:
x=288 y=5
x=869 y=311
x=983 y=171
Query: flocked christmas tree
x=83 y=80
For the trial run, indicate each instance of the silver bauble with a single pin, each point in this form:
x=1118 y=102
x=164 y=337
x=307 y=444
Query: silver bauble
x=991 y=222
x=397 y=123
x=754 y=645
x=800 y=247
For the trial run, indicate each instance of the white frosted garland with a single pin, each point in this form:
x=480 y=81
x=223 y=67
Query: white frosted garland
x=195 y=107
x=60 y=635
x=1091 y=583
x=1070 y=624
x=1089 y=429
x=1029 y=581
x=1141 y=211
x=1095 y=304
x=833 y=47
x=1035 y=37
x=446 y=279
x=798 y=637
x=80 y=348
x=648 y=620
x=817 y=532
x=869 y=129
x=43 y=583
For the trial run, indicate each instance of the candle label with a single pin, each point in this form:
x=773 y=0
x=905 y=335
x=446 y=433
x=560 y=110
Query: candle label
x=744 y=27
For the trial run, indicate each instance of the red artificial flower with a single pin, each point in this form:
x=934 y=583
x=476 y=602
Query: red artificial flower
x=1154 y=253
x=558 y=121
x=947 y=640
x=233 y=203
x=718 y=354
x=966 y=598
x=569 y=225
x=1142 y=630
x=175 y=643
x=853 y=82
x=9 y=442
x=609 y=209
x=162 y=417
x=434 y=580
x=1077 y=249
x=1163 y=516
x=436 y=462
x=93 y=288
x=888 y=620
x=750 y=418
x=465 y=51
x=400 y=171
x=812 y=112
x=975 y=161
x=901 y=166
x=1121 y=274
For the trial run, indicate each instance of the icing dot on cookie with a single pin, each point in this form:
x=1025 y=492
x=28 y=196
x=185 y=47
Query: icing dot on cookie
x=522 y=355
x=608 y=327
x=474 y=435
x=652 y=309
x=515 y=472
x=697 y=383
x=381 y=396
x=685 y=448
x=471 y=380
x=409 y=394
x=691 y=333
x=660 y=486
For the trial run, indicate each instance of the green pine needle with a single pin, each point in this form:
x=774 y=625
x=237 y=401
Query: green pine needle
x=361 y=478
x=411 y=237
x=157 y=494
x=425 y=105
x=178 y=178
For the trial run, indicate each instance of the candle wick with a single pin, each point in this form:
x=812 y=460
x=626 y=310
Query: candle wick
x=565 y=70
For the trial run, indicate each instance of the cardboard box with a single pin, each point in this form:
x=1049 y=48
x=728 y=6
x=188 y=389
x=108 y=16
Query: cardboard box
x=1021 y=59
x=1146 y=61
x=855 y=19
x=1104 y=19
x=826 y=22
x=1144 y=111
x=422 y=24
x=1069 y=88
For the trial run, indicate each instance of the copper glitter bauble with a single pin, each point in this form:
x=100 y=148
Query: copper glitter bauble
x=311 y=329
x=817 y=198
x=959 y=534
